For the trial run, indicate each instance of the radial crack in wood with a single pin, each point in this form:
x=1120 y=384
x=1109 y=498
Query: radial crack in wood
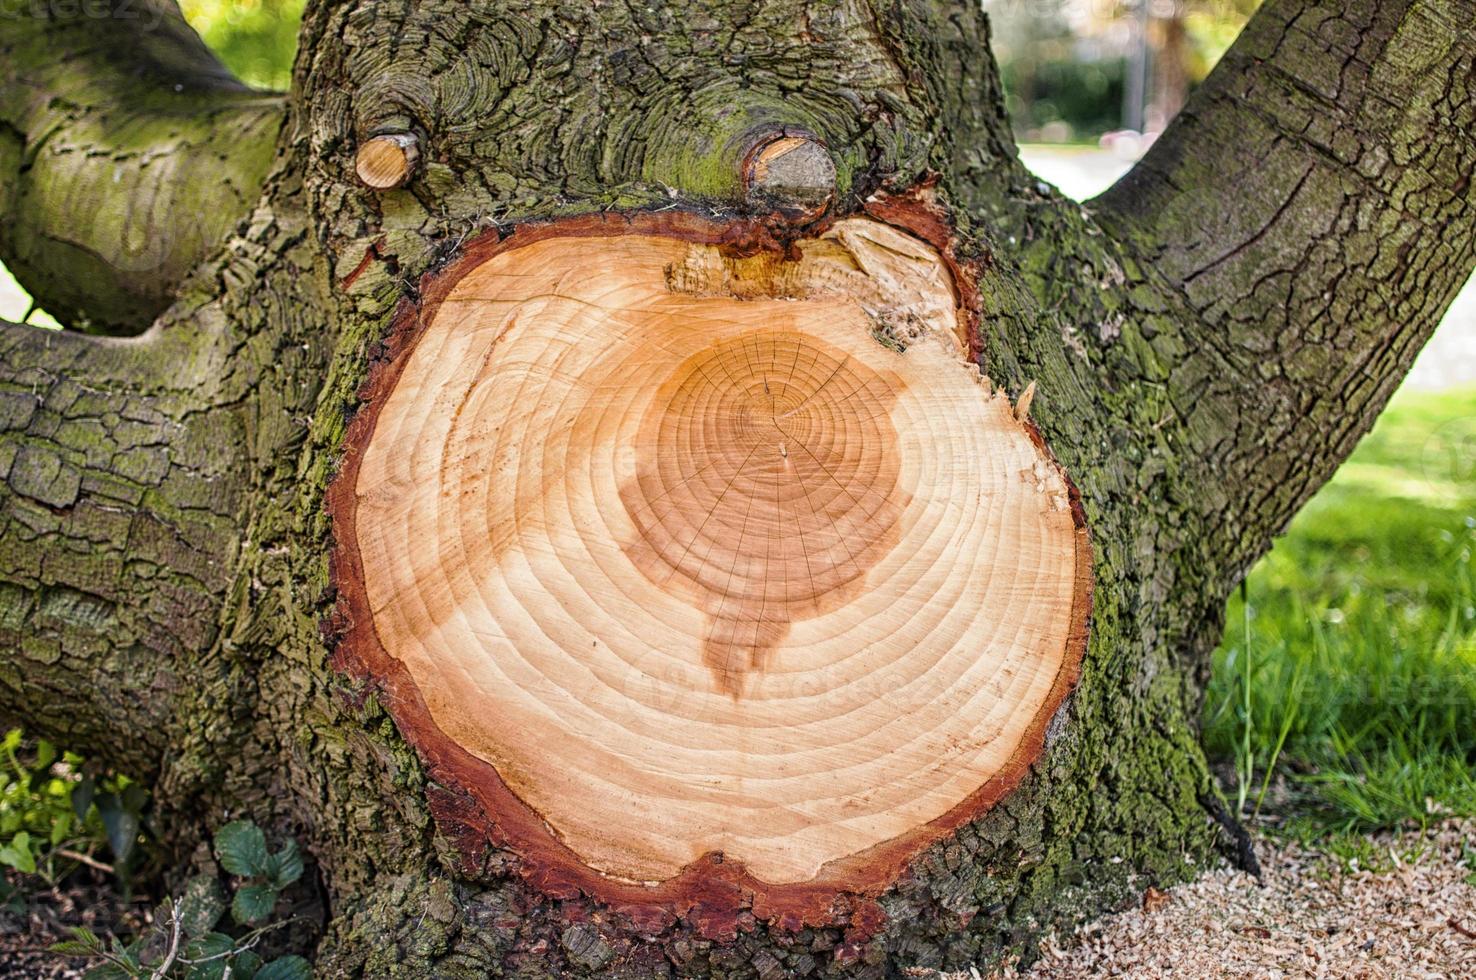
x=663 y=552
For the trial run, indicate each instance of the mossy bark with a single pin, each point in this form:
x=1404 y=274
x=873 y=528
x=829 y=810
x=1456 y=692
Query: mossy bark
x=1207 y=341
x=126 y=152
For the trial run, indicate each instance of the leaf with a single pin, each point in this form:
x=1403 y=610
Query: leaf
x=136 y=950
x=245 y=965
x=285 y=866
x=61 y=826
x=17 y=854
x=209 y=955
x=208 y=970
x=241 y=847
x=285 y=968
x=45 y=754
x=112 y=971
x=134 y=797
x=210 y=946
x=122 y=826
x=253 y=903
x=82 y=795
x=200 y=906
x=84 y=942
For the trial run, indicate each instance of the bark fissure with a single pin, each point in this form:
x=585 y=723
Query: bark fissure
x=1354 y=223
x=116 y=536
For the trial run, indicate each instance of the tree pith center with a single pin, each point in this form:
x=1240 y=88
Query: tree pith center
x=765 y=487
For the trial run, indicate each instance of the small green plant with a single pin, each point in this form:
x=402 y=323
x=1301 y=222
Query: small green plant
x=187 y=940
x=242 y=850
x=1468 y=861
x=56 y=811
x=1247 y=695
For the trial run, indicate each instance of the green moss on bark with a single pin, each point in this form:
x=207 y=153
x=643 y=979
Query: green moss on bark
x=126 y=154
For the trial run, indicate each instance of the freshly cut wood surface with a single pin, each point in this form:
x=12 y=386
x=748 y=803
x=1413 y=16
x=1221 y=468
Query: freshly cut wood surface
x=385 y=162
x=720 y=554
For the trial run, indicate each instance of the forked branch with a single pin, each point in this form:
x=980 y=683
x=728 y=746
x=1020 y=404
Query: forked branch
x=1314 y=203
x=126 y=152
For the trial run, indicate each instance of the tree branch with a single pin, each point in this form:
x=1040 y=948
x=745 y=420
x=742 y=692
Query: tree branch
x=126 y=153
x=1314 y=204
x=118 y=504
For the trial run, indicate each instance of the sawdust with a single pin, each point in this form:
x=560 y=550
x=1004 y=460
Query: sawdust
x=1313 y=917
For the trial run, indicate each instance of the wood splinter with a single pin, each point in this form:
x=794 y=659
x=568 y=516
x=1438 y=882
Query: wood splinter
x=1022 y=407
x=387 y=161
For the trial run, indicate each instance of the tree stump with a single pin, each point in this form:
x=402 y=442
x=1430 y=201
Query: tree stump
x=708 y=572
x=686 y=576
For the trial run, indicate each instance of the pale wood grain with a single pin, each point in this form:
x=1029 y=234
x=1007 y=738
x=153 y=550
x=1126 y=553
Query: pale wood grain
x=722 y=554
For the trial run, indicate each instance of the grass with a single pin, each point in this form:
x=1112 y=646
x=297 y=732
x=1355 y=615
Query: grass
x=1344 y=693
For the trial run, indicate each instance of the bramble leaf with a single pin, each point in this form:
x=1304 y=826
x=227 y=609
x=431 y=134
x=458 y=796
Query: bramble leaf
x=201 y=905
x=284 y=867
x=253 y=903
x=285 y=968
x=241 y=847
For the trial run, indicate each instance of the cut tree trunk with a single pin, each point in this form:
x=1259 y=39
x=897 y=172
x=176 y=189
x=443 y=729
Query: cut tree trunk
x=678 y=558
x=644 y=490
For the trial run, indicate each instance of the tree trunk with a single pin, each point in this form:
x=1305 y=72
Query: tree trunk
x=387 y=532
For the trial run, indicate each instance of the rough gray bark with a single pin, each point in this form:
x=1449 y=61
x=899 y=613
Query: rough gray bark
x=1313 y=205
x=120 y=532
x=1208 y=340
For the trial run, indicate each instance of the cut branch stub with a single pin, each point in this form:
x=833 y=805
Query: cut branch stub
x=663 y=553
x=387 y=161
x=793 y=174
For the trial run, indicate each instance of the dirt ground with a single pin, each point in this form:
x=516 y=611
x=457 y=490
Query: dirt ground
x=31 y=924
x=1413 y=917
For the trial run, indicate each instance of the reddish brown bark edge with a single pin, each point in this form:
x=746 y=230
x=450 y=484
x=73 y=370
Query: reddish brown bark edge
x=473 y=806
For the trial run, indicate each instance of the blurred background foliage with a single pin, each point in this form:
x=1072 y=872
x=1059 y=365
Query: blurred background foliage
x=255 y=38
x=1075 y=69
